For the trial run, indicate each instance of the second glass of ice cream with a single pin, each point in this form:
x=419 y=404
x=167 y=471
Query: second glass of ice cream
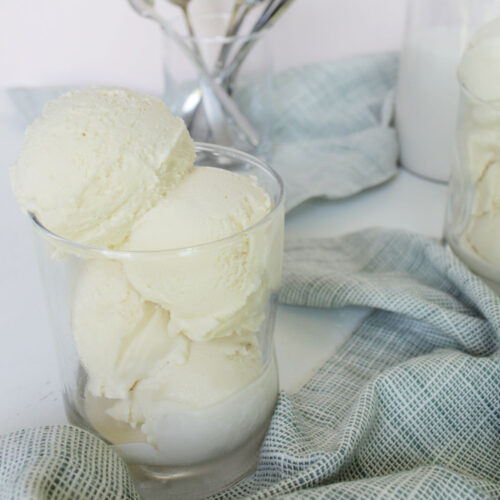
x=161 y=277
x=473 y=220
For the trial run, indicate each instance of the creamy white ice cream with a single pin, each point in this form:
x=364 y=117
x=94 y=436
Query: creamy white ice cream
x=143 y=370
x=208 y=205
x=121 y=339
x=192 y=436
x=479 y=67
x=165 y=337
x=214 y=370
x=97 y=159
x=479 y=72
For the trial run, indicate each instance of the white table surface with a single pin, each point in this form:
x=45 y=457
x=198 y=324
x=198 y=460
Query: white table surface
x=305 y=338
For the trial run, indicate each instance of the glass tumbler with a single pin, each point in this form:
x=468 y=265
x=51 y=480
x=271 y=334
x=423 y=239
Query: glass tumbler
x=472 y=225
x=187 y=413
x=240 y=64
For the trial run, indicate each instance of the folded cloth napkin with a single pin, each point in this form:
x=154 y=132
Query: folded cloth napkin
x=408 y=408
x=61 y=462
x=410 y=405
x=331 y=129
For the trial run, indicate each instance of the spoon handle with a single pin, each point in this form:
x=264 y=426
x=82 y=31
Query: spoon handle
x=233 y=26
x=273 y=11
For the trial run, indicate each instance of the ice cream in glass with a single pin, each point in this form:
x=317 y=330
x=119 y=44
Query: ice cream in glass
x=473 y=218
x=162 y=261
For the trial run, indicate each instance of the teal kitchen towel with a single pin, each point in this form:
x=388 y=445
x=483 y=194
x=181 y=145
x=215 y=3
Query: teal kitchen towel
x=332 y=130
x=332 y=133
x=409 y=407
x=61 y=462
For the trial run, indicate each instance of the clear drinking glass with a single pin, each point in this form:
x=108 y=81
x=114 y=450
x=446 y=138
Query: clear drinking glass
x=472 y=225
x=189 y=452
x=241 y=64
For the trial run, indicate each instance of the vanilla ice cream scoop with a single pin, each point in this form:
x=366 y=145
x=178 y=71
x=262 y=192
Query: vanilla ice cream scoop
x=97 y=159
x=214 y=370
x=479 y=68
x=479 y=72
x=120 y=338
x=207 y=286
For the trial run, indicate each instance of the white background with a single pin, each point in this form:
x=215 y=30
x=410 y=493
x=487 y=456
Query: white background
x=46 y=42
x=78 y=42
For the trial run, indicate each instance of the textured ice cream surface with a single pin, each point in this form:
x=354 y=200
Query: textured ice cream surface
x=481 y=140
x=214 y=370
x=209 y=204
x=483 y=236
x=479 y=144
x=487 y=191
x=189 y=436
x=139 y=374
x=97 y=159
x=120 y=338
x=479 y=68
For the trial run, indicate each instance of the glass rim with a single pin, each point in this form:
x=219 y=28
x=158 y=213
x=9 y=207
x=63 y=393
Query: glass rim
x=220 y=39
x=128 y=254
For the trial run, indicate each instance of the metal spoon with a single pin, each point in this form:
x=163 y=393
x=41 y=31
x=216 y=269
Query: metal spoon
x=184 y=4
x=239 y=12
x=146 y=8
x=216 y=119
x=273 y=10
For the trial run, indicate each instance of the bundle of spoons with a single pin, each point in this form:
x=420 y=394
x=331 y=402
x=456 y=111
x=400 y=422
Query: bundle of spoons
x=213 y=93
